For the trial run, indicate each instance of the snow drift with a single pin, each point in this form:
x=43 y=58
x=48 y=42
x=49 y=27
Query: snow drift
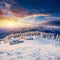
x=36 y=49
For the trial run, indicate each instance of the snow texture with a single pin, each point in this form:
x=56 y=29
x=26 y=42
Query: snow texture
x=36 y=49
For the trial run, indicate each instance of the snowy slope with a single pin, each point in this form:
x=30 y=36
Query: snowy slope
x=37 y=49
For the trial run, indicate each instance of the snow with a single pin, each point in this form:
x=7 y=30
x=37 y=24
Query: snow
x=37 y=49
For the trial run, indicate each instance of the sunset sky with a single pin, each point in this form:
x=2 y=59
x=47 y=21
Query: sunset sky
x=29 y=13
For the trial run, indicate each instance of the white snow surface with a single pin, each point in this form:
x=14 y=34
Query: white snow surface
x=37 y=49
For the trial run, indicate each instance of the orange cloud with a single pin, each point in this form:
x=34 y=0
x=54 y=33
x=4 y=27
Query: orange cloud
x=19 y=12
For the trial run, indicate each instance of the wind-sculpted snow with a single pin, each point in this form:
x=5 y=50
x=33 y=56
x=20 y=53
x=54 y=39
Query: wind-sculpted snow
x=36 y=49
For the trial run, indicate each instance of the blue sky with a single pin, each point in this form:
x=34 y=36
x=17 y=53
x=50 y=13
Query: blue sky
x=33 y=6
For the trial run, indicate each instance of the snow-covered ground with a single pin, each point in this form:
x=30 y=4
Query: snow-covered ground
x=36 y=49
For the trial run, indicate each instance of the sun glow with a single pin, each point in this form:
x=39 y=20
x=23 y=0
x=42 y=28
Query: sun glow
x=9 y=23
x=15 y=23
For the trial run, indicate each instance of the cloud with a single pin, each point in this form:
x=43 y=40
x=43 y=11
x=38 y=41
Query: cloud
x=1 y=13
x=54 y=23
x=15 y=9
x=7 y=5
x=34 y=11
x=1 y=0
x=19 y=12
x=21 y=8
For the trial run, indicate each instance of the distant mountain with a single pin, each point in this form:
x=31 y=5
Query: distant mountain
x=4 y=33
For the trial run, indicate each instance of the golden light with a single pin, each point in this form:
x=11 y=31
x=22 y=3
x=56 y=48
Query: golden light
x=14 y=23
x=9 y=23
